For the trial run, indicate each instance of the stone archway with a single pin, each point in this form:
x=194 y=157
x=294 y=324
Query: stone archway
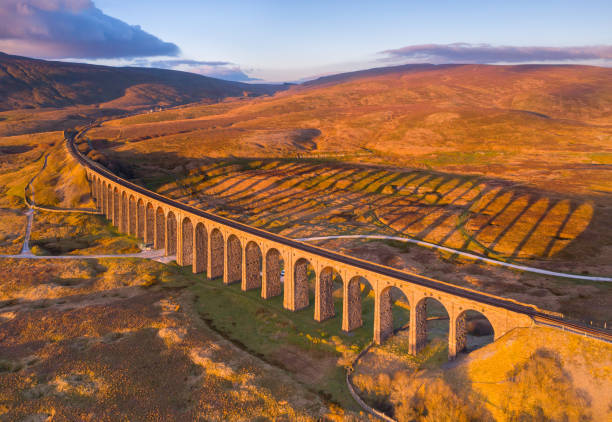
x=385 y=322
x=98 y=184
x=324 y=294
x=272 y=285
x=253 y=266
x=101 y=196
x=216 y=254
x=303 y=271
x=354 y=293
x=200 y=253
x=473 y=330
x=123 y=214
x=116 y=208
x=149 y=233
x=187 y=242
x=93 y=188
x=171 y=234
x=140 y=219
x=429 y=320
x=234 y=260
x=160 y=229
x=132 y=220
x=109 y=202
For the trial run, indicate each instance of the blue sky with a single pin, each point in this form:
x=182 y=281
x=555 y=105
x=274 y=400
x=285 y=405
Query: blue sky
x=290 y=40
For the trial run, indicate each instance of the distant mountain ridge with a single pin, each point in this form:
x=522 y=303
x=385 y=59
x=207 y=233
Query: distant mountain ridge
x=564 y=91
x=34 y=83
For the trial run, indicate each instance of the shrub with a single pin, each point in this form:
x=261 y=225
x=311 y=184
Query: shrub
x=541 y=390
x=418 y=399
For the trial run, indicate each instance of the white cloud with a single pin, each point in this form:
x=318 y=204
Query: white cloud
x=72 y=29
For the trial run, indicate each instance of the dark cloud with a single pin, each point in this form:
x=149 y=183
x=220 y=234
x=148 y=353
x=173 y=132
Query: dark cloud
x=72 y=29
x=486 y=53
x=216 y=69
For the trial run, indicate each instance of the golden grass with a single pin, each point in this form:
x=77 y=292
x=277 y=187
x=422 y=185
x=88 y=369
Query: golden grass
x=20 y=159
x=456 y=212
x=85 y=335
x=546 y=371
x=30 y=122
x=12 y=231
x=61 y=184
x=98 y=346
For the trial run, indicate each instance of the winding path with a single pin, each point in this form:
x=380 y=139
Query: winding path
x=460 y=253
x=25 y=249
x=26 y=252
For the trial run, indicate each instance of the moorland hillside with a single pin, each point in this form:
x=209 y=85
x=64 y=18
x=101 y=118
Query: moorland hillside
x=32 y=83
x=548 y=125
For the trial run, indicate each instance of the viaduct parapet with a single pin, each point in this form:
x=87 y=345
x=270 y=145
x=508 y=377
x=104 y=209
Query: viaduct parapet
x=277 y=265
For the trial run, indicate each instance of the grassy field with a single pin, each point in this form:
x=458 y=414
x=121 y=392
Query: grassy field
x=465 y=213
x=12 y=231
x=69 y=329
x=95 y=313
x=314 y=353
x=61 y=184
x=87 y=339
x=516 y=170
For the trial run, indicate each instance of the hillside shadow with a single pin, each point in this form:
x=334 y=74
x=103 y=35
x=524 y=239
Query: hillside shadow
x=16 y=149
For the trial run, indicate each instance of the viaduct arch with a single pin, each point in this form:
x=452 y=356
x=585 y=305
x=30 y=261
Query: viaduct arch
x=277 y=265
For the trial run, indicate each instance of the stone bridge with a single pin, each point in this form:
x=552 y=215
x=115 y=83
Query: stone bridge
x=256 y=258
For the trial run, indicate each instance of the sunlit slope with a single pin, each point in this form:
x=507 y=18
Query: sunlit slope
x=579 y=92
x=540 y=371
x=530 y=374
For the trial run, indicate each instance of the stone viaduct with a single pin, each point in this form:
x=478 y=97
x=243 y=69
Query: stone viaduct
x=256 y=258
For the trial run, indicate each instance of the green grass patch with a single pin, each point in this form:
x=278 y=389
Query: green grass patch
x=266 y=329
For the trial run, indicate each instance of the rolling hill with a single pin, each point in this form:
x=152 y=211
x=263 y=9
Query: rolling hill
x=32 y=83
x=517 y=122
